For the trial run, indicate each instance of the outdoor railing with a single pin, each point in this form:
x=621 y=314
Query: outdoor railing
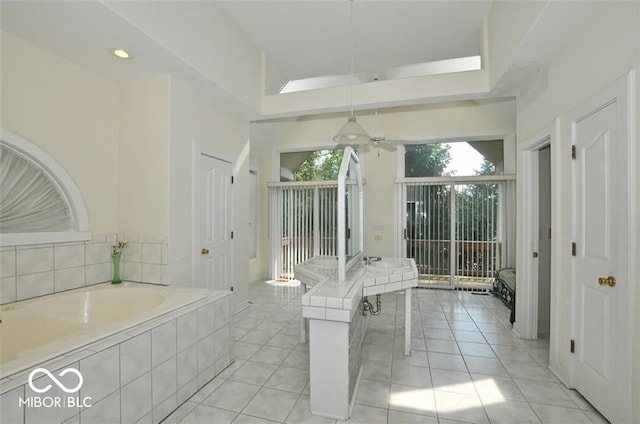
x=474 y=258
x=478 y=259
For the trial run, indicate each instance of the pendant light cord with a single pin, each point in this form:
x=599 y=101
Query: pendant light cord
x=351 y=54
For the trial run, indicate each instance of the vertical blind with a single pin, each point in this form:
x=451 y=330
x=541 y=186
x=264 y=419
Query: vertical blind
x=454 y=230
x=303 y=224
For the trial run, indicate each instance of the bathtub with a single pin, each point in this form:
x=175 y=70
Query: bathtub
x=142 y=351
x=36 y=330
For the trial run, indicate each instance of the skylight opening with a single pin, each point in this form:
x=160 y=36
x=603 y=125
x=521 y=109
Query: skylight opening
x=448 y=66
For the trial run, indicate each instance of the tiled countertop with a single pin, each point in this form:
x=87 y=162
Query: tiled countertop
x=330 y=300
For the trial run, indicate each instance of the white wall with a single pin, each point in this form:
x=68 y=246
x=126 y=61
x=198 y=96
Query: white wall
x=417 y=122
x=514 y=19
x=144 y=157
x=128 y=147
x=197 y=117
x=605 y=49
x=205 y=39
x=72 y=114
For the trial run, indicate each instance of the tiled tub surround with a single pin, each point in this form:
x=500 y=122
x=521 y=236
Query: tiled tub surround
x=37 y=270
x=145 y=259
x=140 y=374
x=337 y=326
x=38 y=329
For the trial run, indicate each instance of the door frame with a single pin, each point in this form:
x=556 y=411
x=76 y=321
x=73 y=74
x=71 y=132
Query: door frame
x=621 y=91
x=197 y=151
x=526 y=324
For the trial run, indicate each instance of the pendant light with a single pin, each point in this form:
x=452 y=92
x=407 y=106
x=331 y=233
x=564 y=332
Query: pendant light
x=351 y=133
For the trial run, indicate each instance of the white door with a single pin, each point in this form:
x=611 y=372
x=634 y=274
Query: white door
x=600 y=183
x=214 y=269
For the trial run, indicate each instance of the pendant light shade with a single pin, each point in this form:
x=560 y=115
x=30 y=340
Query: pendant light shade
x=351 y=133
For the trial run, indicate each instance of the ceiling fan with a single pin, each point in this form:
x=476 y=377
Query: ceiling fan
x=352 y=134
x=377 y=141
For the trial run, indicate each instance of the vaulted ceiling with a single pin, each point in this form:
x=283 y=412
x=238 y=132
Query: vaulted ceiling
x=208 y=41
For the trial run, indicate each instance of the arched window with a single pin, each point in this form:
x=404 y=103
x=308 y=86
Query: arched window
x=39 y=201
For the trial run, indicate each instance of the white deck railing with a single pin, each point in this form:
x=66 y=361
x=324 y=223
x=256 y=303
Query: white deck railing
x=455 y=229
x=303 y=223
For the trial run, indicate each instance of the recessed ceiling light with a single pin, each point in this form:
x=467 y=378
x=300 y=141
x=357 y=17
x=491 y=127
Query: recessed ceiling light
x=122 y=54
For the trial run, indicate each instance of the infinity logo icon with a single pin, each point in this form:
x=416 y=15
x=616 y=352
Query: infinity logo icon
x=55 y=380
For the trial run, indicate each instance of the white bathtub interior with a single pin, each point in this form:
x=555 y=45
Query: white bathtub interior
x=35 y=330
x=167 y=348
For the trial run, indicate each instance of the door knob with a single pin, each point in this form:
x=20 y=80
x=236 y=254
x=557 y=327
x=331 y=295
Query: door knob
x=204 y=251
x=609 y=281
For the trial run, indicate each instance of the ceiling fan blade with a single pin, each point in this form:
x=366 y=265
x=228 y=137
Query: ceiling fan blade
x=397 y=142
x=387 y=146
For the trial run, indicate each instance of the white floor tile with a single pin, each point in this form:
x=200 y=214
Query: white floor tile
x=232 y=395
x=466 y=366
x=373 y=393
x=445 y=361
x=476 y=349
x=254 y=373
x=492 y=388
x=397 y=417
x=411 y=376
x=452 y=381
x=557 y=415
x=460 y=407
x=488 y=366
x=288 y=379
x=363 y=414
x=271 y=404
x=374 y=370
x=208 y=414
x=545 y=393
x=527 y=370
x=248 y=419
x=301 y=413
x=270 y=355
x=414 y=400
x=443 y=346
x=417 y=358
x=511 y=412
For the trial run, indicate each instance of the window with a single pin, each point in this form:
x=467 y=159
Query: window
x=458 y=159
x=317 y=165
x=454 y=228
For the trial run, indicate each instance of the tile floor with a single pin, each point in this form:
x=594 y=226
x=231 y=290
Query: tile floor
x=466 y=366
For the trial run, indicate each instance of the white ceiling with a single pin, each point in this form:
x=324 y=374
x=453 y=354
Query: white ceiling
x=304 y=39
x=301 y=38
x=86 y=32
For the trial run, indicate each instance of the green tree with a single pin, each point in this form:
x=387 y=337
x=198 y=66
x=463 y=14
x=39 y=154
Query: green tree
x=426 y=160
x=426 y=203
x=477 y=221
x=486 y=168
x=428 y=206
x=321 y=165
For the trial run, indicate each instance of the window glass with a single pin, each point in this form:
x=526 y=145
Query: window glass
x=459 y=159
x=318 y=165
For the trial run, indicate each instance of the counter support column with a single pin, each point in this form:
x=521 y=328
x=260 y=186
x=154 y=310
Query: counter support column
x=407 y=322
